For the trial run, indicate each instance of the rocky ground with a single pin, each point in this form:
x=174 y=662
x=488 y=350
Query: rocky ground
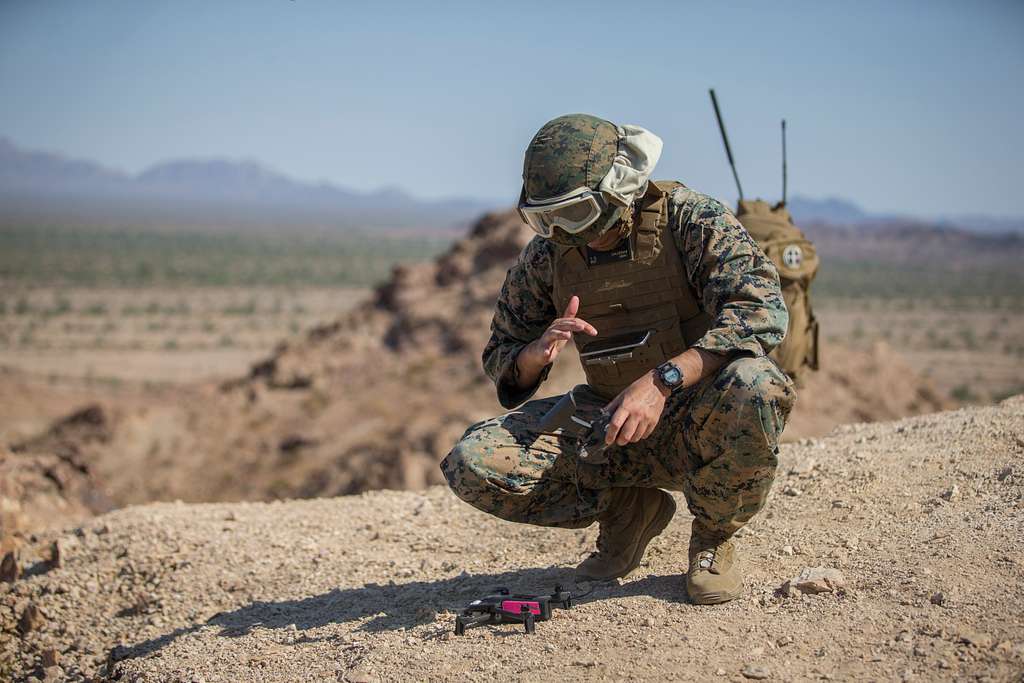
x=918 y=524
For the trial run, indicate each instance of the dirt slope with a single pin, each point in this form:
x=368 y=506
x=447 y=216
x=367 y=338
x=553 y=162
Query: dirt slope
x=924 y=518
x=376 y=398
x=47 y=483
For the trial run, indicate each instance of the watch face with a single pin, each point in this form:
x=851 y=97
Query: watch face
x=671 y=376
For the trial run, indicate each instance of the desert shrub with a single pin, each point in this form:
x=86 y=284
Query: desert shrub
x=181 y=307
x=1004 y=394
x=969 y=338
x=919 y=286
x=99 y=256
x=244 y=309
x=98 y=308
x=22 y=307
x=61 y=305
x=964 y=394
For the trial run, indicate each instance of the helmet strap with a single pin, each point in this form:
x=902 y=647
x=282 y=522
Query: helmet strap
x=627 y=221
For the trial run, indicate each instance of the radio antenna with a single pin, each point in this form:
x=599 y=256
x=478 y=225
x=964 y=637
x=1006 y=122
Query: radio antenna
x=725 y=139
x=783 y=162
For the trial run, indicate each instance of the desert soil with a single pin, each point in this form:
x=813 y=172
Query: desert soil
x=924 y=519
x=110 y=337
x=971 y=350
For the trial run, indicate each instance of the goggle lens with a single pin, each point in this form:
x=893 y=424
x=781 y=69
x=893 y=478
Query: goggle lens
x=573 y=215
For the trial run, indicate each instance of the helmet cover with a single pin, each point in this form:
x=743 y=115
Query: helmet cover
x=580 y=150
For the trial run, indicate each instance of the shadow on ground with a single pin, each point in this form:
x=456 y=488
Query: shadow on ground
x=399 y=606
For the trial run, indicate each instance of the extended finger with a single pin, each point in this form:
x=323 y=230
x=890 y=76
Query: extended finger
x=574 y=324
x=648 y=430
x=572 y=308
x=614 y=425
x=629 y=430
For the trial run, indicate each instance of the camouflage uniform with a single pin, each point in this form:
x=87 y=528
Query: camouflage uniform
x=716 y=441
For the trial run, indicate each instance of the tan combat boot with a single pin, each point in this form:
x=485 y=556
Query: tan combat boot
x=635 y=517
x=713 y=576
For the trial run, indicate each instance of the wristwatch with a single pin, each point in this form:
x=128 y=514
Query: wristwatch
x=670 y=375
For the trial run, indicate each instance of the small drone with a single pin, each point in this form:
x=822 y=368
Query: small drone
x=505 y=608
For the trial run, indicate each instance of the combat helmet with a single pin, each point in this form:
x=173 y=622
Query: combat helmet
x=581 y=174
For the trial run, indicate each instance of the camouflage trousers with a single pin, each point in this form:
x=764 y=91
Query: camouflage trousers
x=717 y=442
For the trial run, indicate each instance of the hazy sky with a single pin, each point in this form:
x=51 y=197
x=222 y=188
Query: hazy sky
x=913 y=107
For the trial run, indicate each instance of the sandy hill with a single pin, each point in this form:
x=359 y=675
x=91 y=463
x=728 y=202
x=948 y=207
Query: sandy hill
x=923 y=518
x=376 y=398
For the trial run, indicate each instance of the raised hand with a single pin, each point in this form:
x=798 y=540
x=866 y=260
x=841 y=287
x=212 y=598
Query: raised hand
x=543 y=350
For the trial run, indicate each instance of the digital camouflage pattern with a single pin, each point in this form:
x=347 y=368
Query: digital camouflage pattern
x=716 y=441
x=568 y=153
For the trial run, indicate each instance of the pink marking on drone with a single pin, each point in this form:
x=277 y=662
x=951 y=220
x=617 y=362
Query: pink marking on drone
x=516 y=606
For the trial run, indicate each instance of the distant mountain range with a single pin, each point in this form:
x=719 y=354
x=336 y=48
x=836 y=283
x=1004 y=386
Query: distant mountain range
x=221 y=194
x=209 y=193
x=841 y=212
x=831 y=210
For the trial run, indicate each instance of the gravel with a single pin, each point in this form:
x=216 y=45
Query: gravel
x=365 y=588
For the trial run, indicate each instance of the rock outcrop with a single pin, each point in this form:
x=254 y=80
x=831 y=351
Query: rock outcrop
x=47 y=483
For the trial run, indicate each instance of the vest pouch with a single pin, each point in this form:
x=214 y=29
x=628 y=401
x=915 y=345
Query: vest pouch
x=614 y=349
x=665 y=341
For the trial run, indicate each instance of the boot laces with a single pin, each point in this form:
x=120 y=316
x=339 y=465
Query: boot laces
x=706 y=558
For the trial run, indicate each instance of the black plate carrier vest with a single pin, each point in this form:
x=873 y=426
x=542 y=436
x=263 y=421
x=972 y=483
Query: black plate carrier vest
x=648 y=292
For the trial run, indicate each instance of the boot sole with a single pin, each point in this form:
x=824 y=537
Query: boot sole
x=657 y=525
x=716 y=598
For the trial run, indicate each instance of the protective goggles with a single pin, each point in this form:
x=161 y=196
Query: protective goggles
x=573 y=211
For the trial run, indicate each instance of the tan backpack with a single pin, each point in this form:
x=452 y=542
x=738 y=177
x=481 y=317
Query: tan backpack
x=797 y=261
x=794 y=257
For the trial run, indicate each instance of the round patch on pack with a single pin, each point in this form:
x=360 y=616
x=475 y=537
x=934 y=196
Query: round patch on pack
x=793 y=256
